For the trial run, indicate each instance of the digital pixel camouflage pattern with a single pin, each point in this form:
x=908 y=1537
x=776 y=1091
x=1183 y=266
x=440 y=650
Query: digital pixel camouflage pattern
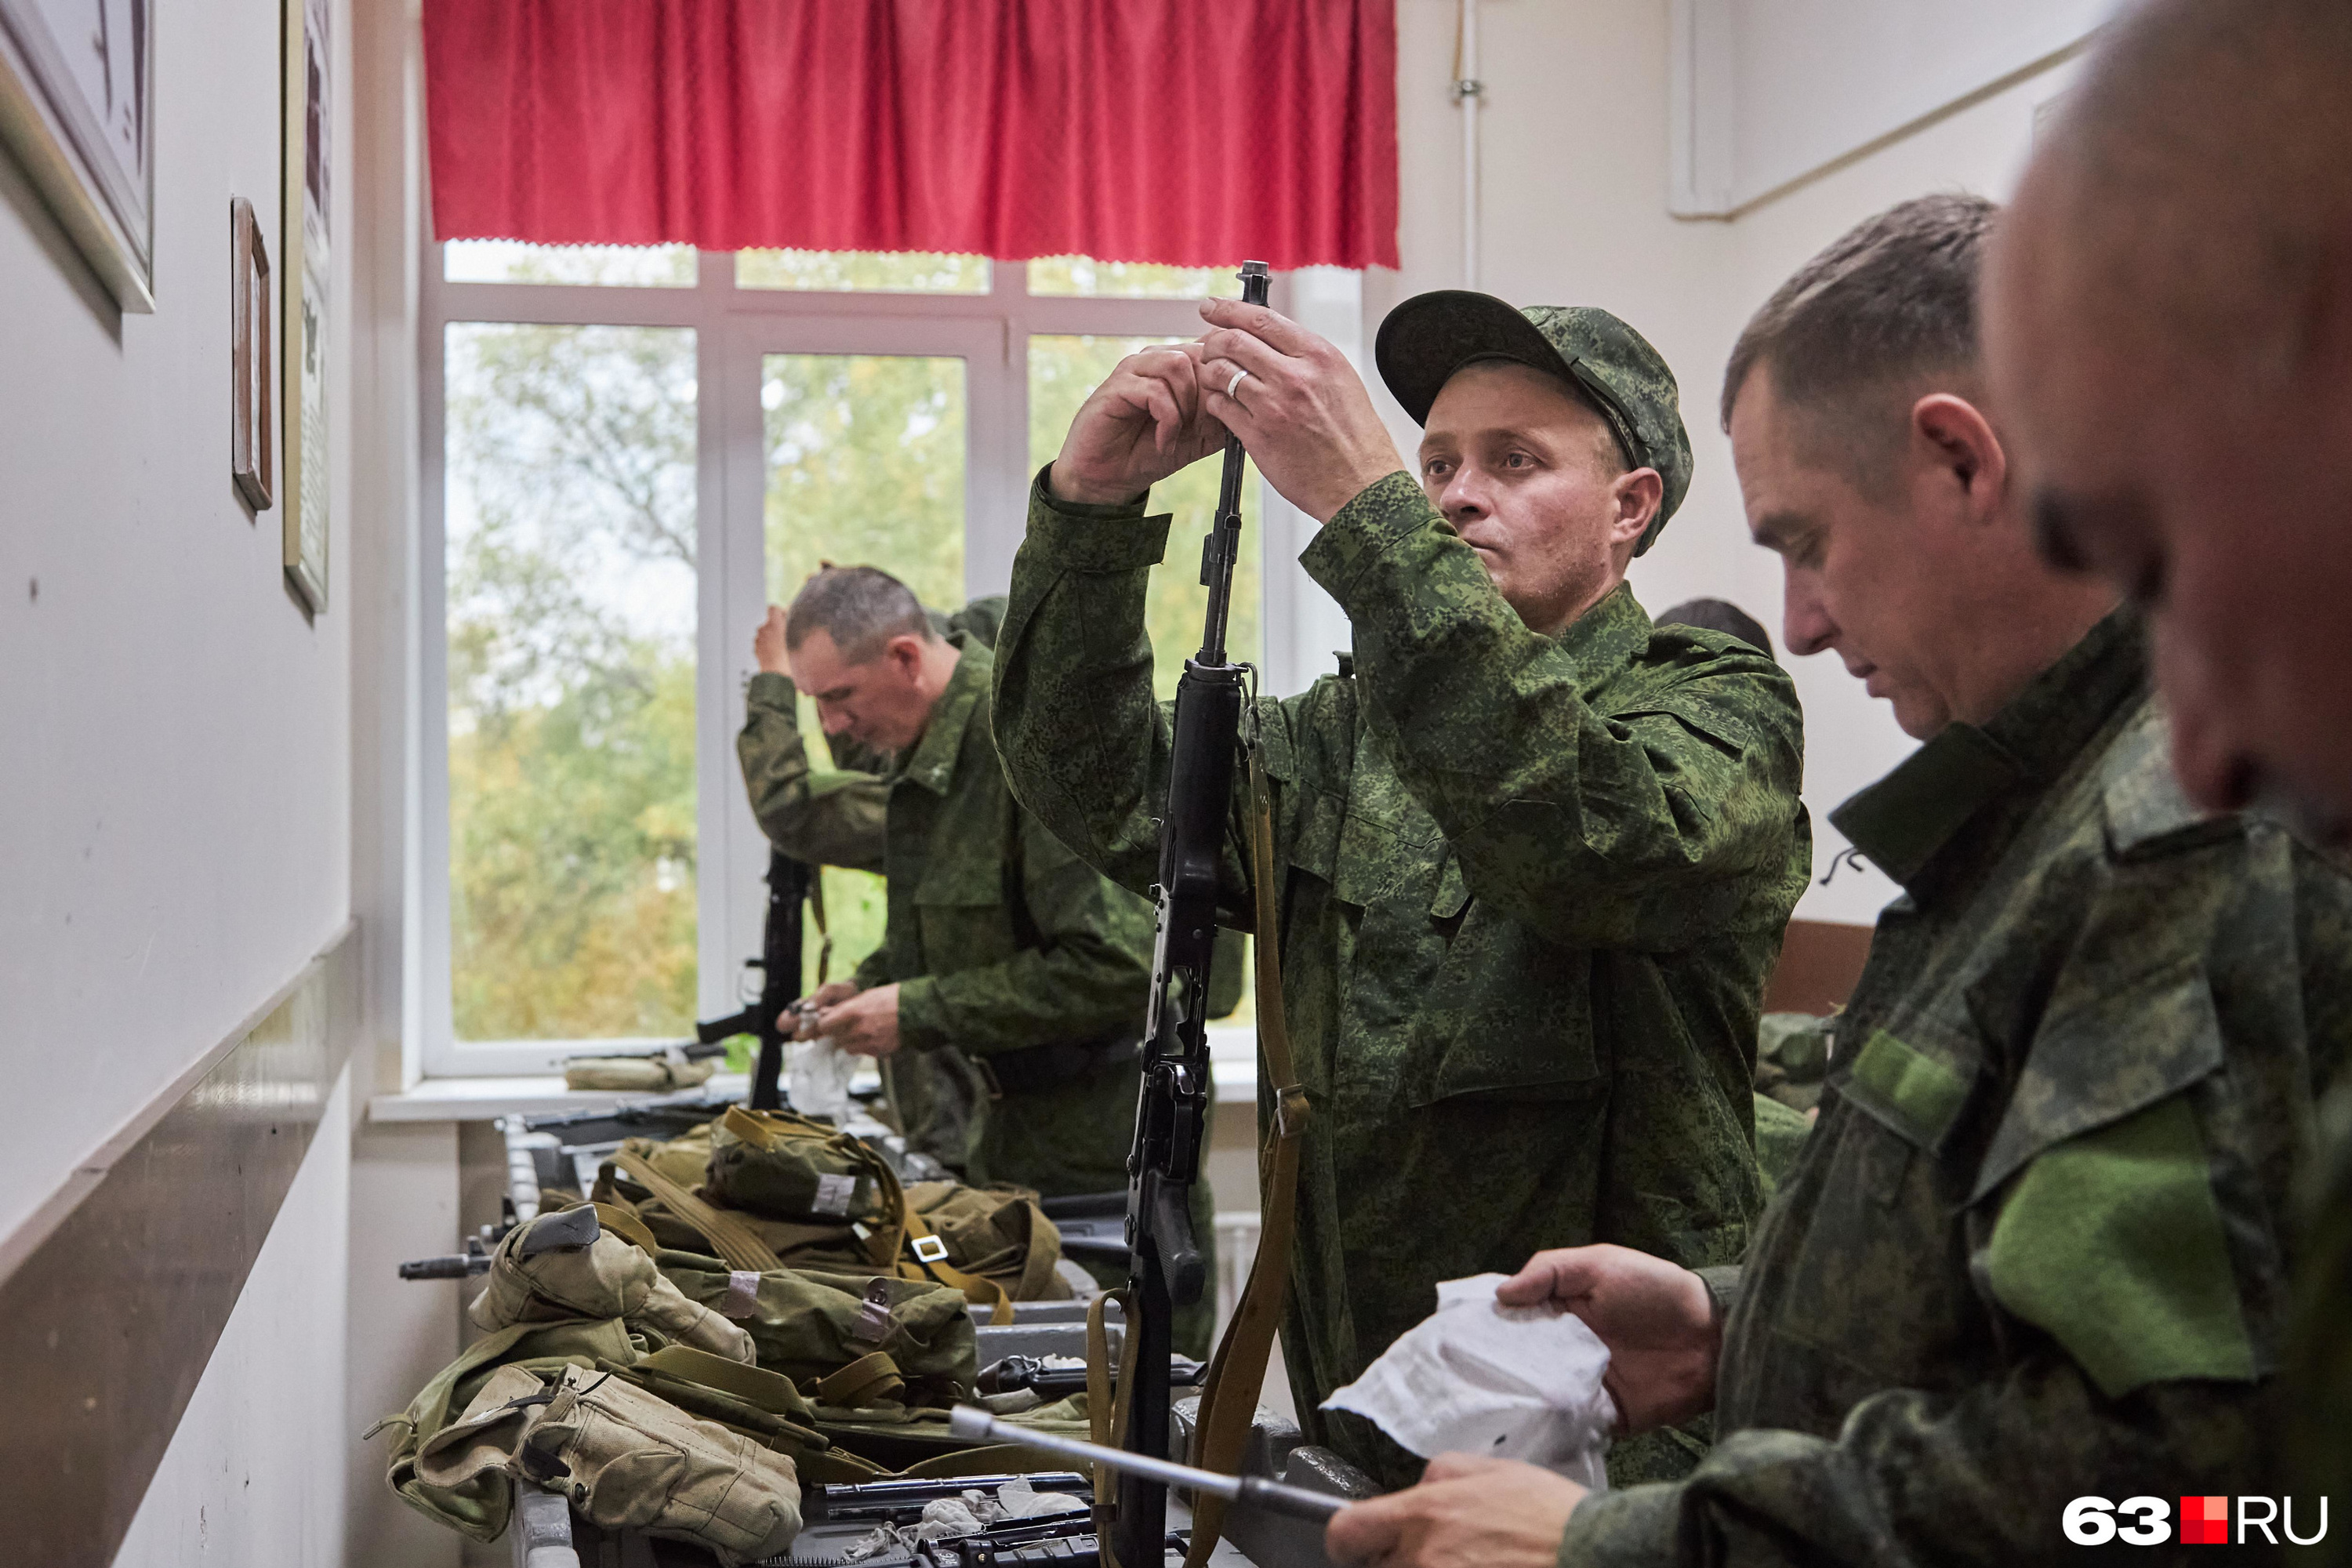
x=2036 y=1246
x=1532 y=889
x=2317 y=1379
x=1000 y=940
x=835 y=816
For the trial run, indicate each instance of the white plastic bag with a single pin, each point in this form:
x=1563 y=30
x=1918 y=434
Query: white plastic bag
x=1478 y=1377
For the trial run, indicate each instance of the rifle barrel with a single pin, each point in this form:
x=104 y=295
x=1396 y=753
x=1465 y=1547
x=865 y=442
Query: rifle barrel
x=976 y=1425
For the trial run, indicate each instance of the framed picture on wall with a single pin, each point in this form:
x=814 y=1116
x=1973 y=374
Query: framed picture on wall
x=250 y=308
x=77 y=89
x=304 y=252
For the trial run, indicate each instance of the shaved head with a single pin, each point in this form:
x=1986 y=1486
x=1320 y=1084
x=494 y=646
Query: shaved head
x=2208 y=154
x=2167 y=321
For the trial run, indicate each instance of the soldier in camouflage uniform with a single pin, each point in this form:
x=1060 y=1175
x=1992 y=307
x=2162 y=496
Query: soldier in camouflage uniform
x=2035 y=1247
x=1536 y=853
x=2167 y=308
x=835 y=816
x=999 y=942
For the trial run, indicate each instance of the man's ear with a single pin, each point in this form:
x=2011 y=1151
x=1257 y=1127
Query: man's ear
x=905 y=653
x=1638 y=495
x=1962 y=441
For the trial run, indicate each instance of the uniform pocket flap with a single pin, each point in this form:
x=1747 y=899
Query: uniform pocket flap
x=1378 y=861
x=2098 y=1062
x=1453 y=891
x=1915 y=1093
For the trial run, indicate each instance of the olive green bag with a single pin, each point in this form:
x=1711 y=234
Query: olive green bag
x=994 y=1244
x=808 y=1324
x=623 y=1457
x=778 y=1165
x=478 y=1504
x=567 y=1265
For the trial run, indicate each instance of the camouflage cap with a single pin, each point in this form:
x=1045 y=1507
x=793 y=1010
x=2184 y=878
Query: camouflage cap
x=1429 y=337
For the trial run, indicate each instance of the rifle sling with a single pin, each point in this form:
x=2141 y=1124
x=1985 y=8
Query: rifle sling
x=1237 y=1371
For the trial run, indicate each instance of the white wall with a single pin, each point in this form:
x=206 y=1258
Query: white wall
x=176 y=783
x=1573 y=210
x=176 y=778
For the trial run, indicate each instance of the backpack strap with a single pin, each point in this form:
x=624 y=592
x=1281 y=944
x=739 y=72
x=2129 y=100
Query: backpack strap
x=868 y=1380
x=1237 y=1371
x=930 y=1262
x=736 y=1242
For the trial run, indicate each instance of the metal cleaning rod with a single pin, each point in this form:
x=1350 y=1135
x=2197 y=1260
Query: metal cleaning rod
x=973 y=1424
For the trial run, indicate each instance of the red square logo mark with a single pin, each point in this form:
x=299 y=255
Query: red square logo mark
x=2205 y=1521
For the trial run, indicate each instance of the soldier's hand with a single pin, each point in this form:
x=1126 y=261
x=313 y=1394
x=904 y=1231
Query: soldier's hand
x=768 y=643
x=1656 y=1316
x=1303 y=412
x=801 y=1020
x=1136 y=429
x=1467 y=1512
x=867 y=1024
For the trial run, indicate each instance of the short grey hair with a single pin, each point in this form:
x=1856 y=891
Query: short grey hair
x=861 y=608
x=1891 y=303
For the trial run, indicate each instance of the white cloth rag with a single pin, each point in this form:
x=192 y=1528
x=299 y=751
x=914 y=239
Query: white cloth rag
x=1478 y=1377
x=816 y=1078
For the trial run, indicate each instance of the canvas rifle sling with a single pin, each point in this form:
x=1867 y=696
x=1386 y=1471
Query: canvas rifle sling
x=1237 y=1371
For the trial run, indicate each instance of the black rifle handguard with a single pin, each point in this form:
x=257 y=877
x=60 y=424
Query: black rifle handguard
x=1165 y=1266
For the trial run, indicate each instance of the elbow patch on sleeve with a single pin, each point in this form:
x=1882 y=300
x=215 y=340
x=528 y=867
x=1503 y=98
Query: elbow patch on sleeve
x=2112 y=1242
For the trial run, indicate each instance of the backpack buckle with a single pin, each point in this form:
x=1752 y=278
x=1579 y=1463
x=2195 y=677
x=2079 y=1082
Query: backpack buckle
x=928 y=1248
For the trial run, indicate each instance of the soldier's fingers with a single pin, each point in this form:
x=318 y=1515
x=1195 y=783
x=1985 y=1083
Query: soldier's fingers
x=1367 y=1531
x=1229 y=408
x=1561 y=1274
x=1454 y=1467
x=1165 y=417
x=1279 y=331
x=1247 y=352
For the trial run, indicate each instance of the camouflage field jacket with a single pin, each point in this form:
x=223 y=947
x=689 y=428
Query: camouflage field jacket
x=1532 y=886
x=2035 y=1247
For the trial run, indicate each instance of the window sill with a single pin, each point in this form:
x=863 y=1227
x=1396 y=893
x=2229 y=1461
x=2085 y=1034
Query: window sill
x=488 y=1098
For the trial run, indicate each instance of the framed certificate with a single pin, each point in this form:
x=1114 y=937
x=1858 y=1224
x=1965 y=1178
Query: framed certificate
x=302 y=487
x=77 y=94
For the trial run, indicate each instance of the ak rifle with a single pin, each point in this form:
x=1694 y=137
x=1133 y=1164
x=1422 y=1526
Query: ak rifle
x=1165 y=1268
x=779 y=964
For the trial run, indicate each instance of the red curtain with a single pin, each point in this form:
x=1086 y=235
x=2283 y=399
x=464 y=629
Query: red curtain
x=1187 y=132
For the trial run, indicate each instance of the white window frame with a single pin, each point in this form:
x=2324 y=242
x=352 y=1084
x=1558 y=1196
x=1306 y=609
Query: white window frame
x=734 y=330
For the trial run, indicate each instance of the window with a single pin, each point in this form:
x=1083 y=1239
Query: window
x=629 y=454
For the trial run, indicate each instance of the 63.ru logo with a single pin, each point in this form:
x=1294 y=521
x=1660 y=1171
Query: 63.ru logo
x=2204 y=1521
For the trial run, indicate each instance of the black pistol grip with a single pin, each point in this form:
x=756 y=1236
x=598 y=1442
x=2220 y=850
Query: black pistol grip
x=1179 y=1249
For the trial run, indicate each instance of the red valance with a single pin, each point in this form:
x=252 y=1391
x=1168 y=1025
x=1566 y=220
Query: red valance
x=1186 y=131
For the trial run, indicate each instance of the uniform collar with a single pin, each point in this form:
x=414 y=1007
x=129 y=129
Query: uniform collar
x=931 y=762
x=1610 y=633
x=1903 y=821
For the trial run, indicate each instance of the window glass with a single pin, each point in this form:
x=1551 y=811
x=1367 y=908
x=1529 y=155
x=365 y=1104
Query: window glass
x=1062 y=371
x=624 y=265
x=1132 y=279
x=866 y=467
x=571 y=544
x=893 y=271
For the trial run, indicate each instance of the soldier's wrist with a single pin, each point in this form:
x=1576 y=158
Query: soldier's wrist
x=773 y=689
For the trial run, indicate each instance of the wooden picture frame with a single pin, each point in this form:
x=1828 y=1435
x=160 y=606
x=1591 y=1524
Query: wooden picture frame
x=76 y=107
x=250 y=308
x=303 y=338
